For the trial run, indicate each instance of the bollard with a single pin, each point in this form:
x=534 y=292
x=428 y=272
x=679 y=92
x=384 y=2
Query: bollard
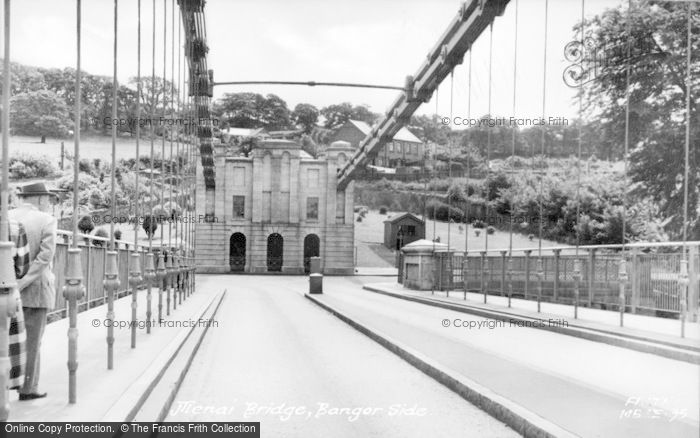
x=315 y=276
x=161 y=275
x=134 y=281
x=111 y=284
x=72 y=292
x=8 y=308
x=149 y=275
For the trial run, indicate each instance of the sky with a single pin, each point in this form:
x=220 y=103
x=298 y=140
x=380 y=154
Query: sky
x=363 y=41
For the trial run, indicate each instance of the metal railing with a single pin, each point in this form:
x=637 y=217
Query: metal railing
x=653 y=285
x=93 y=259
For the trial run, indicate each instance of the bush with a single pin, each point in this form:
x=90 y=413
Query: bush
x=479 y=224
x=382 y=210
x=490 y=229
x=27 y=166
x=100 y=232
x=359 y=218
x=85 y=225
x=438 y=210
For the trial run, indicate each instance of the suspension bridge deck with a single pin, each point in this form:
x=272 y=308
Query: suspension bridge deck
x=276 y=358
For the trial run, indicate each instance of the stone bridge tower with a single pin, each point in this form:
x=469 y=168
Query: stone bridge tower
x=274 y=209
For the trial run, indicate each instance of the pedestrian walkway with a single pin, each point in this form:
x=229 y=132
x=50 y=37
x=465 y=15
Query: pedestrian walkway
x=100 y=389
x=642 y=326
x=587 y=388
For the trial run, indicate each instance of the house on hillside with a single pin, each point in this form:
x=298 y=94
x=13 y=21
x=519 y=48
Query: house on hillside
x=405 y=149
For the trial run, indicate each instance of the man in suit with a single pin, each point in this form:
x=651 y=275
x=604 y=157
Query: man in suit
x=37 y=287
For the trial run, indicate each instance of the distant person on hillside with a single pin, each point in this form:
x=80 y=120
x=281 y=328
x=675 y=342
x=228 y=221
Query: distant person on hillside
x=37 y=287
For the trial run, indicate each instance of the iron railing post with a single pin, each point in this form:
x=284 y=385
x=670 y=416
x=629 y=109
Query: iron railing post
x=540 y=279
x=149 y=275
x=591 y=276
x=527 y=272
x=622 y=278
x=465 y=273
x=161 y=278
x=111 y=284
x=557 y=259
x=634 y=280
x=135 y=280
x=683 y=281
x=484 y=274
x=577 y=282
x=73 y=291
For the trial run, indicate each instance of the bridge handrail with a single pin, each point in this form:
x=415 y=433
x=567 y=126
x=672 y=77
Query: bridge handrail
x=674 y=244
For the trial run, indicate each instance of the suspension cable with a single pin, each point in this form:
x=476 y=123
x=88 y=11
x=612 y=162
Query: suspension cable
x=76 y=129
x=171 y=173
x=437 y=112
x=577 y=261
x=115 y=86
x=138 y=124
x=485 y=267
x=540 y=262
x=165 y=106
x=152 y=135
x=622 y=273
x=684 y=280
x=512 y=155
x=177 y=139
x=150 y=257
x=686 y=177
x=163 y=253
x=449 y=165
x=466 y=204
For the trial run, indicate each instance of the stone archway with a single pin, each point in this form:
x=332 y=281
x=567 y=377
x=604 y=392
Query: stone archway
x=275 y=250
x=312 y=248
x=237 y=252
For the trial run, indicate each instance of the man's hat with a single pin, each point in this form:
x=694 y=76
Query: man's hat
x=36 y=189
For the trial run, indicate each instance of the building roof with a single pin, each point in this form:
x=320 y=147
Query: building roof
x=404 y=215
x=406 y=135
x=403 y=134
x=423 y=246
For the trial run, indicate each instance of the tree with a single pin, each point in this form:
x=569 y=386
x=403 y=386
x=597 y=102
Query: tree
x=336 y=115
x=306 y=116
x=40 y=113
x=657 y=96
x=429 y=128
x=252 y=110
